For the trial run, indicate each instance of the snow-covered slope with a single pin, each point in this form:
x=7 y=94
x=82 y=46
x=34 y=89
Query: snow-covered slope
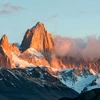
x=29 y=58
x=77 y=82
x=94 y=84
x=20 y=62
x=35 y=53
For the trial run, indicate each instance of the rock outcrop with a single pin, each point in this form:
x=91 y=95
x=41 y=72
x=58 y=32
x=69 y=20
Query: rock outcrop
x=5 y=52
x=90 y=95
x=38 y=38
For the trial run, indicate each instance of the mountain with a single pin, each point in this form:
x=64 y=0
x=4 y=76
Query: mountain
x=38 y=50
x=35 y=50
x=12 y=57
x=31 y=83
x=90 y=95
x=38 y=38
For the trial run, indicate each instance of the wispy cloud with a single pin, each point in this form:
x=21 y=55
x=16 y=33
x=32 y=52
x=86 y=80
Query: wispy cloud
x=4 y=12
x=6 y=5
x=50 y=17
x=83 y=12
x=16 y=8
x=53 y=16
x=9 y=8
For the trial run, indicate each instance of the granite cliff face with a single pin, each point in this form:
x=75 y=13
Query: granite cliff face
x=6 y=50
x=36 y=46
x=38 y=38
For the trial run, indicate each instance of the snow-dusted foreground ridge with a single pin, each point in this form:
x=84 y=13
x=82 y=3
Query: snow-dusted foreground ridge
x=31 y=84
x=79 y=83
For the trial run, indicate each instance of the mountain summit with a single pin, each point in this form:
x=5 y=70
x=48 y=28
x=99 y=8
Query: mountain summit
x=38 y=38
x=6 y=50
x=4 y=41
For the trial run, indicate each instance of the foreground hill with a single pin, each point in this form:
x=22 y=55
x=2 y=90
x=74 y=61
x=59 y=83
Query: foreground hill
x=31 y=84
x=90 y=95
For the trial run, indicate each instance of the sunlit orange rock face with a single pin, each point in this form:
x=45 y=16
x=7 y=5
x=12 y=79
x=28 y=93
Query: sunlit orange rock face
x=5 y=52
x=38 y=38
x=37 y=49
x=57 y=63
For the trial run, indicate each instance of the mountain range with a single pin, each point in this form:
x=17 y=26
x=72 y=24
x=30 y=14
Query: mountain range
x=38 y=49
x=34 y=70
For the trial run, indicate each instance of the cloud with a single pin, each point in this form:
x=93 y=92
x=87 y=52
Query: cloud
x=4 y=12
x=16 y=8
x=87 y=48
x=9 y=8
x=6 y=5
x=83 y=12
x=53 y=16
x=62 y=45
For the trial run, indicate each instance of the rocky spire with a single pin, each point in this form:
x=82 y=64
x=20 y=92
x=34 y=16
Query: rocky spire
x=4 y=41
x=6 y=50
x=38 y=38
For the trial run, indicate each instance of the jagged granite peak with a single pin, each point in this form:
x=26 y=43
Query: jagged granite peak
x=4 y=41
x=4 y=37
x=40 y=24
x=6 y=50
x=38 y=38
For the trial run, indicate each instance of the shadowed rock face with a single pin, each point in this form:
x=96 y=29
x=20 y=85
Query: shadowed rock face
x=90 y=95
x=38 y=38
x=31 y=84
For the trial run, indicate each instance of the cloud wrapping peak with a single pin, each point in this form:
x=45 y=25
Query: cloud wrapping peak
x=87 y=48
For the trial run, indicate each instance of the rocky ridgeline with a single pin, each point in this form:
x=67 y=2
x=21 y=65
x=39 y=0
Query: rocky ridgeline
x=37 y=49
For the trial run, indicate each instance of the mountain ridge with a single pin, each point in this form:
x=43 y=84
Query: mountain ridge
x=41 y=42
x=31 y=83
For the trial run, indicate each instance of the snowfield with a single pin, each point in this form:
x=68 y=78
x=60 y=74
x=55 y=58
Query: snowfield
x=20 y=62
x=78 y=83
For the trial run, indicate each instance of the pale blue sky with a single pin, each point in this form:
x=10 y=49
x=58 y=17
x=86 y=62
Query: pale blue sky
x=70 y=18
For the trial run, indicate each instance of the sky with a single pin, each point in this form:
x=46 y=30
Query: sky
x=67 y=18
